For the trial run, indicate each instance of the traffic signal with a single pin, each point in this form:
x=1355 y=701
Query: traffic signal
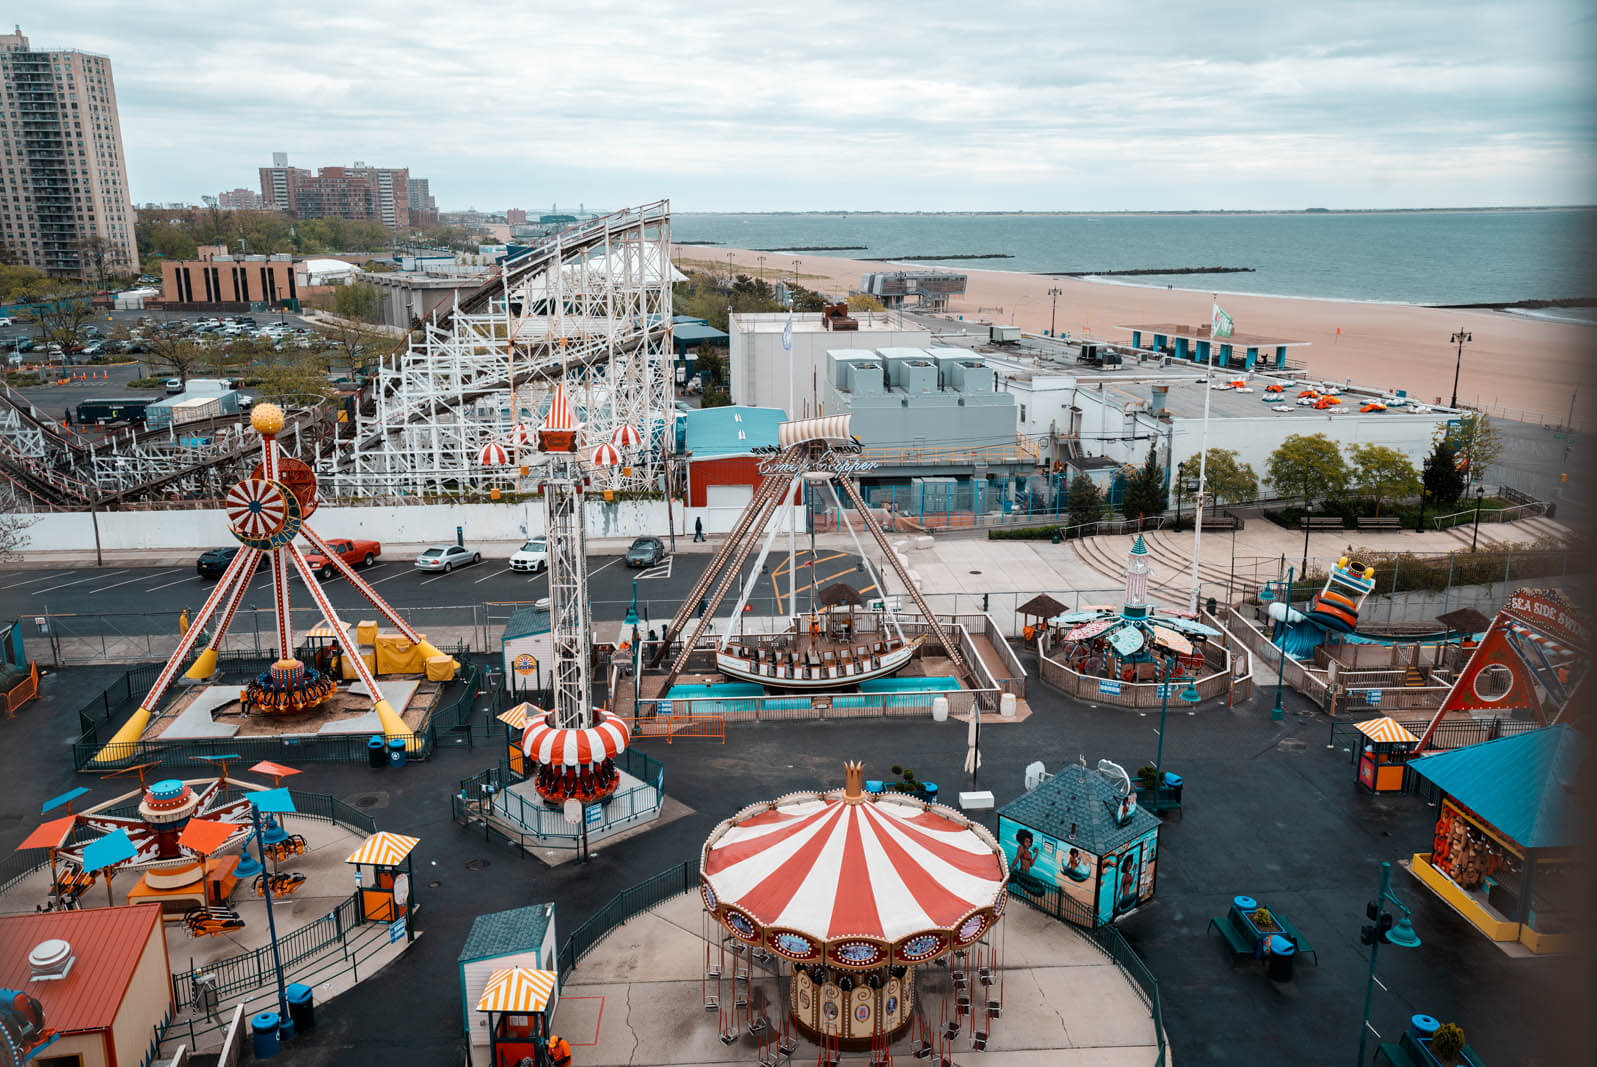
x=1372 y=910
x=1367 y=935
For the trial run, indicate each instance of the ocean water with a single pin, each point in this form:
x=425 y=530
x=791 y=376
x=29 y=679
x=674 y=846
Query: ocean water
x=1433 y=257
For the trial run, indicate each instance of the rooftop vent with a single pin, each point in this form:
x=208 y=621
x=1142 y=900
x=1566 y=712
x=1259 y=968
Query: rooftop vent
x=50 y=961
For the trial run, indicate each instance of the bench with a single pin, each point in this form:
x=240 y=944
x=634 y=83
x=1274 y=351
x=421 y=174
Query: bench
x=1292 y=935
x=1240 y=941
x=1397 y=1056
x=1320 y=522
x=1221 y=522
x=1380 y=522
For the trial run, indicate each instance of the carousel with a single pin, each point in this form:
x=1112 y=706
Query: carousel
x=1131 y=642
x=852 y=890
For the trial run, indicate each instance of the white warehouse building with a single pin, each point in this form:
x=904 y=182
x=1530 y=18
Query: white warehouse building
x=765 y=374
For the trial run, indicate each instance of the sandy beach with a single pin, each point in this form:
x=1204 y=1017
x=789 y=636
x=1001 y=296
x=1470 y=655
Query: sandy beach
x=1518 y=367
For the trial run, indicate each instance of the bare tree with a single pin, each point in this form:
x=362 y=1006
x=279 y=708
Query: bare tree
x=181 y=355
x=60 y=310
x=15 y=520
x=100 y=257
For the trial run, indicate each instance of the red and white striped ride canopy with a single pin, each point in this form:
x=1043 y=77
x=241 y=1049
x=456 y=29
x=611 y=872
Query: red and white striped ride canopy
x=626 y=436
x=857 y=881
x=559 y=417
x=493 y=454
x=606 y=456
x=548 y=744
x=521 y=434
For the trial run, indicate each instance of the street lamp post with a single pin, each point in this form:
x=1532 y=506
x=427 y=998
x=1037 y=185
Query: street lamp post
x=632 y=621
x=1382 y=928
x=762 y=267
x=1475 y=538
x=1053 y=314
x=1308 y=508
x=1461 y=338
x=1278 y=712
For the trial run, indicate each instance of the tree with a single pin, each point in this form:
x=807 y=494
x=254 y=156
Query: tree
x=1383 y=473
x=358 y=300
x=1225 y=479
x=1086 y=503
x=1145 y=492
x=1443 y=481
x=99 y=258
x=292 y=378
x=181 y=355
x=1477 y=444
x=15 y=519
x=60 y=310
x=1306 y=466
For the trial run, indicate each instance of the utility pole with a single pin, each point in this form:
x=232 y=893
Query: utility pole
x=762 y=267
x=1053 y=314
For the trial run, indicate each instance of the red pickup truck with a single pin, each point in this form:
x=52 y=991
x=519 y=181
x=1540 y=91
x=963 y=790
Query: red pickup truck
x=354 y=553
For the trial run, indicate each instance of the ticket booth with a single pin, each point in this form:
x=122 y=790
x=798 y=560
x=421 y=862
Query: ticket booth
x=515 y=720
x=518 y=1002
x=1384 y=753
x=384 y=879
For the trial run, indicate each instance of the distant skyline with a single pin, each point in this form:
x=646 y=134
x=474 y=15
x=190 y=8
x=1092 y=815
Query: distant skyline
x=1093 y=106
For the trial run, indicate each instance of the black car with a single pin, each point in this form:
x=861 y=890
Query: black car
x=211 y=564
x=645 y=552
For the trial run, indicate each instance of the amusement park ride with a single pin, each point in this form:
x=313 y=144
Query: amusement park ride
x=825 y=454
x=266 y=513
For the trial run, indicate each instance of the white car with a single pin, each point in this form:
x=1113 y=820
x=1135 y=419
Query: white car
x=532 y=556
x=5 y=320
x=174 y=385
x=446 y=558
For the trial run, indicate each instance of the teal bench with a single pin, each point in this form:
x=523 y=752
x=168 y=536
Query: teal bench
x=1303 y=947
x=1241 y=941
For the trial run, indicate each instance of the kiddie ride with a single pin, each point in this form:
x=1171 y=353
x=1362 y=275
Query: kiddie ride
x=1333 y=610
x=22 y=1026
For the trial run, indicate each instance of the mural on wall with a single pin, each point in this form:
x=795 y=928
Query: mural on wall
x=1104 y=887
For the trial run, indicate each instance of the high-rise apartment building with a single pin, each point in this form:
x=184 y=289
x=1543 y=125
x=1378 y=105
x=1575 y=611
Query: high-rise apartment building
x=64 y=202
x=240 y=200
x=380 y=194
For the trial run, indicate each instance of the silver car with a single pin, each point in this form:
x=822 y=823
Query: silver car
x=446 y=558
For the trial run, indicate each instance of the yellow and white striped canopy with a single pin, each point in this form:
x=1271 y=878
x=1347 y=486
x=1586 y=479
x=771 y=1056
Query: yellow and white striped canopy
x=516 y=717
x=1385 y=730
x=518 y=990
x=384 y=849
x=323 y=630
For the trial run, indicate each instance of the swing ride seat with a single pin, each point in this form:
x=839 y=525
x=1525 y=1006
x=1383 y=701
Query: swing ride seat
x=786 y=1047
x=978 y=1041
x=712 y=1002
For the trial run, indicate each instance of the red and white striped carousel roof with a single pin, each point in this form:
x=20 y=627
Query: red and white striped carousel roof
x=493 y=454
x=548 y=744
x=560 y=417
x=883 y=868
x=606 y=455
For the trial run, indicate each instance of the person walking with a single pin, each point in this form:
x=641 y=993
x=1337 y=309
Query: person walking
x=698 y=529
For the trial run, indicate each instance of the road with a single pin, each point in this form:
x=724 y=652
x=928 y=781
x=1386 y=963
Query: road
x=140 y=600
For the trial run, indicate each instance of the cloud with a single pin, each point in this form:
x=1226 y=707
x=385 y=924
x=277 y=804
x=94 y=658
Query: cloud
x=942 y=106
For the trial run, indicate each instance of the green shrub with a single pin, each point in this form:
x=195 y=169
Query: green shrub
x=1448 y=1041
x=1024 y=533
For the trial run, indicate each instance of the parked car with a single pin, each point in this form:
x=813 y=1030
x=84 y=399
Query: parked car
x=446 y=558
x=5 y=320
x=174 y=385
x=532 y=556
x=645 y=552
x=211 y=564
x=354 y=553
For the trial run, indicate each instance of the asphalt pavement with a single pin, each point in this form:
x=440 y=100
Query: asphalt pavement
x=1269 y=811
x=138 y=600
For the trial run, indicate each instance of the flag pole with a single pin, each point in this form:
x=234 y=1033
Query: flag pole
x=792 y=529
x=1203 y=449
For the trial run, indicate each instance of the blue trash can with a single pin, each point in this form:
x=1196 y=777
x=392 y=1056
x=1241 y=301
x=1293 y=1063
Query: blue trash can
x=1172 y=785
x=929 y=790
x=374 y=751
x=263 y=1028
x=301 y=1007
x=1423 y=1027
x=1279 y=960
x=1244 y=903
x=396 y=751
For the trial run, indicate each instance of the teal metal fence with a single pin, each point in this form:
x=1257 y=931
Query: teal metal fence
x=632 y=901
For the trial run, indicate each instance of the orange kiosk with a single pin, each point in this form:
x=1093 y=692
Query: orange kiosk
x=520 y=1004
x=1384 y=754
x=383 y=875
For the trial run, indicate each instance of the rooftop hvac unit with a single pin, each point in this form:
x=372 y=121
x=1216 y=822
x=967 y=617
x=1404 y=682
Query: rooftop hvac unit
x=50 y=961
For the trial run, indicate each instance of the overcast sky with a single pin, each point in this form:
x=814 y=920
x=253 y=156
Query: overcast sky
x=929 y=105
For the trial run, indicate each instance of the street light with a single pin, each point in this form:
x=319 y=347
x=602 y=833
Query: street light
x=1461 y=338
x=1053 y=314
x=1480 y=491
x=1381 y=928
x=1278 y=712
x=762 y=267
x=632 y=621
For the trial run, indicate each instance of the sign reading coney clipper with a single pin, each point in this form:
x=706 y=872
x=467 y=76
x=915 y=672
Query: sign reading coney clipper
x=832 y=461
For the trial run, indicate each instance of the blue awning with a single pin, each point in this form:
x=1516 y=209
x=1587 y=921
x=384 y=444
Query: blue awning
x=1523 y=785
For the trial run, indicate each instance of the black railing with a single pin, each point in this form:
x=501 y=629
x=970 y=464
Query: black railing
x=256 y=968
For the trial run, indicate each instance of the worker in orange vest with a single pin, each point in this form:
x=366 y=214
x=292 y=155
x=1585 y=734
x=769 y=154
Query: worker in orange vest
x=559 y=1050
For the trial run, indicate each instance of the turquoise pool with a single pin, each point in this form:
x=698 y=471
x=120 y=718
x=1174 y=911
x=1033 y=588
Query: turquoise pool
x=909 y=685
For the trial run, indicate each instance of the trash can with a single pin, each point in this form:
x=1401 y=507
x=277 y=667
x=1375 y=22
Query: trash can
x=1278 y=958
x=396 y=751
x=929 y=790
x=263 y=1029
x=1244 y=903
x=301 y=1007
x=1423 y=1027
x=1172 y=785
x=374 y=751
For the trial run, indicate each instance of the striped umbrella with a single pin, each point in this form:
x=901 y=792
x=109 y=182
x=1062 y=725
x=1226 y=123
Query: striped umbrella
x=626 y=437
x=606 y=456
x=553 y=746
x=493 y=454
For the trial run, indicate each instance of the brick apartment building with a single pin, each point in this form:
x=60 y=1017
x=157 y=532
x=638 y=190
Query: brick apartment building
x=388 y=195
x=240 y=200
x=63 y=178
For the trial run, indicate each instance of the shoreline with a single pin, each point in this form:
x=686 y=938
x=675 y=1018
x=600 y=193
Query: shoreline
x=1517 y=365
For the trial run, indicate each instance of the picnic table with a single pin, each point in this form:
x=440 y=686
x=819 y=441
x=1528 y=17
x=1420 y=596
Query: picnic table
x=1410 y=1051
x=1249 y=925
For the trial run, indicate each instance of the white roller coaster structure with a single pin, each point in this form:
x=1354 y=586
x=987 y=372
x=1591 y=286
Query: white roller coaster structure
x=591 y=308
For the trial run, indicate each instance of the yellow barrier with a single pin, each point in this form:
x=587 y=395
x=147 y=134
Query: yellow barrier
x=1462 y=902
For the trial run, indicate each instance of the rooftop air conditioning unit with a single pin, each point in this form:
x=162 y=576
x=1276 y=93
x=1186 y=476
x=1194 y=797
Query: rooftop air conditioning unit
x=50 y=961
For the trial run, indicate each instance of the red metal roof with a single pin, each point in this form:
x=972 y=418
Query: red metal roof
x=107 y=943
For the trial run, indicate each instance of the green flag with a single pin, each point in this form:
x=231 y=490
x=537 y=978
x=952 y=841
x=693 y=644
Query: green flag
x=1221 y=327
